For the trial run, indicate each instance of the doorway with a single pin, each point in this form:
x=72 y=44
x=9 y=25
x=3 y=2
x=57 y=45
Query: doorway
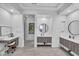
x=29 y=30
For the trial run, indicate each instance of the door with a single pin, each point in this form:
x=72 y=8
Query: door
x=29 y=27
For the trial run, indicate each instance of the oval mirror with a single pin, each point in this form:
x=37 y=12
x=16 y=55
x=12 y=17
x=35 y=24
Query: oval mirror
x=73 y=27
x=43 y=28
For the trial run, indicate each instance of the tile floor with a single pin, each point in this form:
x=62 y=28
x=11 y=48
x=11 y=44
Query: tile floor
x=40 y=51
x=29 y=50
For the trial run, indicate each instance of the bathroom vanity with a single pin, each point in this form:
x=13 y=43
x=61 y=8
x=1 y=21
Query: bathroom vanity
x=4 y=41
x=71 y=45
x=8 y=40
x=43 y=31
x=45 y=41
x=70 y=41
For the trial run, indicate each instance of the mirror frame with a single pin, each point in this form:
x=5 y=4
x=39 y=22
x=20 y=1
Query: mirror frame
x=69 y=27
x=6 y=27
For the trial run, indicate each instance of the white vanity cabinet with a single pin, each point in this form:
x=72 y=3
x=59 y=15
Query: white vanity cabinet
x=71 y=45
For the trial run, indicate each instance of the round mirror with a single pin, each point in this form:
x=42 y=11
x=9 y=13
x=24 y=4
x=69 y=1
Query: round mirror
x=43 y=28
x=73 y=27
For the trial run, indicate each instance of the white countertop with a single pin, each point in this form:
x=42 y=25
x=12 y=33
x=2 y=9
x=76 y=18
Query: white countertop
x=7 y=38
x=70 y=39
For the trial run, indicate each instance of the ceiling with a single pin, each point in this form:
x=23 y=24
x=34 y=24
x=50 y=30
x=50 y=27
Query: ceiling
x=21 y=7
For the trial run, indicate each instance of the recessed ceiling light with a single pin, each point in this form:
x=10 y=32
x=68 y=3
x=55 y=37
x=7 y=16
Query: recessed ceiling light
x=11 y=10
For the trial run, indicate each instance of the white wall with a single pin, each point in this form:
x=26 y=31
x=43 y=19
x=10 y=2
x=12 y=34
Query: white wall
x=18 y=28
x=40 y=12
x=48 y=21
x=5 y=17
x=61 y=23
x=5 y=20
x=70 y=18
x=58 y=29
x=29 y=19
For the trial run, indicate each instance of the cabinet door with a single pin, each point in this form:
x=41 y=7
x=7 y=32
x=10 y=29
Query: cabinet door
x=48 y=39
x=70 y=45
x=73 y=46
x=76 y=48
x=0 y=31
x=44 y=39
x=64 y=42
x=61 y=40
x=40 y=39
